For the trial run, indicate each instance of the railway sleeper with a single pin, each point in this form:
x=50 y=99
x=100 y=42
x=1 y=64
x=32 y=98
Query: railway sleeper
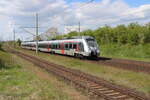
x=82 y=84
x=108 y=91
x=102 y=89
x=121 y=97
x=112 y=94
x=98 y=94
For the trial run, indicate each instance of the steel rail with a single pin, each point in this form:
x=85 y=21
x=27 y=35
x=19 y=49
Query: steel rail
x=95 y=85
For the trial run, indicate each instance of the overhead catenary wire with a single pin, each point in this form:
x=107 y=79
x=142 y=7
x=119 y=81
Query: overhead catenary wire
x=85 y=4
x=79 y=23
x=27 y=31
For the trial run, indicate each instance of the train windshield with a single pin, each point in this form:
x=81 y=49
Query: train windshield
x=91 y=42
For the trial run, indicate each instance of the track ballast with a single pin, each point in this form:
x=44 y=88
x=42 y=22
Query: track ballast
x=132 y=65
x=94 y=85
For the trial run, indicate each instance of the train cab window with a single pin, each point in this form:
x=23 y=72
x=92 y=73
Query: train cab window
x=81 y=47
x=74 y=46
x=70 y=46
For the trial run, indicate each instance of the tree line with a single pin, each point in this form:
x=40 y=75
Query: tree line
x=133 y=34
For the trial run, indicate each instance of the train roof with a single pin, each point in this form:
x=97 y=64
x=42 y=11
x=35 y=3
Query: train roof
x=82 y=37
x=74 y=38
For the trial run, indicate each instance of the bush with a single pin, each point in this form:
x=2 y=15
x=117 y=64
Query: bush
x=19 y=42
x=126 y=51
x=2 y=64
x=133 y=39
x=1 y=46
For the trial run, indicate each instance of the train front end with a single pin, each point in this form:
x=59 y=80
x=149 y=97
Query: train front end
x=93 y=48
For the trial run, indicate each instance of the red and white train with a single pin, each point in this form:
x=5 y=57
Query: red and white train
x=83 y=46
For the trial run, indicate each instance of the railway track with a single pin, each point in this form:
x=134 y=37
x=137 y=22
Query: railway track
x=94 y=85
x=132 y=65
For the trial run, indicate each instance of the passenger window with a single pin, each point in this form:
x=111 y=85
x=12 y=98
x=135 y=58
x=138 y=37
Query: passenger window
x=74 y=46
x=58 y=46
x=44 y=46
x=70 y=46
x=66 y=46
x=53 y=46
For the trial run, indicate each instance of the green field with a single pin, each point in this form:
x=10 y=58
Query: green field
x=137 y=81
x=21 y=80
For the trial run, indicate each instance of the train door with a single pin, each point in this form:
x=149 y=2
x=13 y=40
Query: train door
x=48 y=47
x=66 y=45
x=62 y=48
x=71 y=50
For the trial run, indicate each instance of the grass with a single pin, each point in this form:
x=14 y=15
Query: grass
x=138 y=81
x=135 y=52
x=20 y=81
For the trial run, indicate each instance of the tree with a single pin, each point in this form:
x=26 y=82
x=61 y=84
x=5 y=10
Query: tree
x=133 y=34
x=74 y=33
x=19 y=42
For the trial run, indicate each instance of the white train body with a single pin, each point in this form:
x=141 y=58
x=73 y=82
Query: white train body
x=81 y=46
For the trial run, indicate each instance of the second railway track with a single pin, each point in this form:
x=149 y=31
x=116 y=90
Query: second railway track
x=136 y=66
x=97 y=86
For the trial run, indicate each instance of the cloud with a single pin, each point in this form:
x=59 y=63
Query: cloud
x=137 y=13
x=101 y=13
x=59 y=13
x=5 y=27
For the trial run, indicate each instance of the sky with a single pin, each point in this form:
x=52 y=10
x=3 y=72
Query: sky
x=15 y=14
